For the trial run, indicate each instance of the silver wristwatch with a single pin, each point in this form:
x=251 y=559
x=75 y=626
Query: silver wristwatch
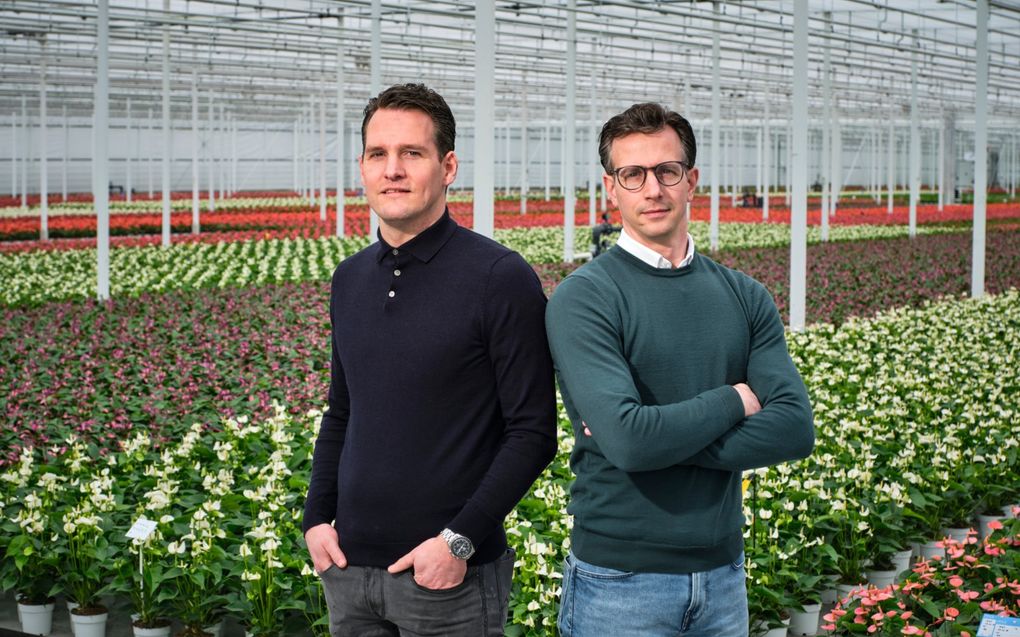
x=460 y=546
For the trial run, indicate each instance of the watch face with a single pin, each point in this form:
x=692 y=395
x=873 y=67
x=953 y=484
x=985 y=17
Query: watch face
x=461 y=547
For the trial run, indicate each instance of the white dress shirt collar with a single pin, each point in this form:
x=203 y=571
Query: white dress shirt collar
x=651 y=257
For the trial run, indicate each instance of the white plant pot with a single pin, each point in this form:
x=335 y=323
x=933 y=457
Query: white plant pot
x=957 y=534
x=829 y=593
x=216 y=630
x=931 y=550
x=881 y=579
x=781 y=631
x=983 y=520
x=36 y=619
x=846 y=591
x=163 y=631
x=805 y=622
x=71 y=605
x=901 y=561
x=89 y=625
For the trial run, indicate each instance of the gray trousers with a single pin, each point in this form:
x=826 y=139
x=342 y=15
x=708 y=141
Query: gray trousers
x=366 y=601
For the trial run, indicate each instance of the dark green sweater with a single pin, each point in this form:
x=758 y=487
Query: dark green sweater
x=647 y=357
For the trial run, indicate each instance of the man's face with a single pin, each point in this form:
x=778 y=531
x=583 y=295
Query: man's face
x=654 y=215
x=405 y=178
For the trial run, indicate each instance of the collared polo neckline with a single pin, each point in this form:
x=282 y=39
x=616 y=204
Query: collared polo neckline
x=425 y=244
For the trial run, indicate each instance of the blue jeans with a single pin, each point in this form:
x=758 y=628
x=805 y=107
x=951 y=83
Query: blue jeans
x=598 y=601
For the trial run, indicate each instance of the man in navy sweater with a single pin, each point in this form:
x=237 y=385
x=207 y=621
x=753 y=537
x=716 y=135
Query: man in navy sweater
x=441 y=400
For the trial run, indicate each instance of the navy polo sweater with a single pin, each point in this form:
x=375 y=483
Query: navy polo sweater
x=441 y=401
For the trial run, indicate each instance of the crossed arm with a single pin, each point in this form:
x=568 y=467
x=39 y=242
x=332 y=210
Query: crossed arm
x=764 y=420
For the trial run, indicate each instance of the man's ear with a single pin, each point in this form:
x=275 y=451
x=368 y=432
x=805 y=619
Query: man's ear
x=692 y=182
x=609 y=183
x=450 y=166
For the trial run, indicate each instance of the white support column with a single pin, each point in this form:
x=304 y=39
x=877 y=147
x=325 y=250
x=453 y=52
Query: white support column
x=195 y=145
x=789 y=161
x=310 y=172
x=375 y=85
x=548 y=151
x=826 y=129
x=599 y=171
x=296 y=179
x=166 y=126
x=836 y=162
x=569 y=134
x=26 y=137
x=210 y=154
x=977 y=280
x=524 y=147
x=14 y=153
x=876 y=165
x=485 y=119
x=798 y=213
x=942 y=166
x=736 y=175
x=870 y=135
x=149 y=127
x=66 y=149
x=593 y=163
x=759 y=159
x=915 y=144
x=891 y=167
x=233 y=154
x=322 y=154
x=129 y=129
x=354 y=139
x=766 y=163
x=100 y=159
x=44 y=151
x=340 y=127
x=714 y=170
x=506 y=159
x=223 y=163
x=1013 y=169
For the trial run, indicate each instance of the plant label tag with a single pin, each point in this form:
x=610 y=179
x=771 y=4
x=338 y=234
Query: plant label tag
x=992 y=626
x=141 y=529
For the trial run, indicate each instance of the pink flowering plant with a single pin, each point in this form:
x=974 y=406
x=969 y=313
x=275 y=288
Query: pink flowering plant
x=941 y=597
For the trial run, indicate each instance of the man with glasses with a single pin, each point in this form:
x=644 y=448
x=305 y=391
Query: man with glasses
x=675 y=374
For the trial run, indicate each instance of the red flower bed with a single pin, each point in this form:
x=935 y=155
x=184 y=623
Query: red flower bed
x=303 y=220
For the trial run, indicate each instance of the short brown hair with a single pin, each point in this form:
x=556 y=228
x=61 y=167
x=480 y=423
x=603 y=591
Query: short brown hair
x=646 y=118
x=416 y=97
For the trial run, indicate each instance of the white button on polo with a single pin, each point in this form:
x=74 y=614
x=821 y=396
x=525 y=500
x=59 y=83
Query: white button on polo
x=392 y=294
x=396 y=273
x=395 y=251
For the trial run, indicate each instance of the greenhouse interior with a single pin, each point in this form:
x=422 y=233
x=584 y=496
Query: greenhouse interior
x=180 y=180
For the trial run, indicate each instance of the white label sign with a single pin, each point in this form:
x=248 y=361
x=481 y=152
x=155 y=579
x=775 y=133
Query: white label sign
x=992 y=626
x=141 y=529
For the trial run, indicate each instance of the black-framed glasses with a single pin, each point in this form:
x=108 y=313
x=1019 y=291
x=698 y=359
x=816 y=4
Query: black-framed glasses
x=668 y=173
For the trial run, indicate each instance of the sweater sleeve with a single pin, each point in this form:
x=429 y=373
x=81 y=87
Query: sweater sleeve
x=784 y=428
x=519 y=355
x=587 y=347
x=321 y=501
